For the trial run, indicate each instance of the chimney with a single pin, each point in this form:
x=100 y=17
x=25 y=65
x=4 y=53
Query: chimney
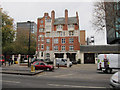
x=53 y=18
x=45 y=14
x=77 y=19
x=66 y=16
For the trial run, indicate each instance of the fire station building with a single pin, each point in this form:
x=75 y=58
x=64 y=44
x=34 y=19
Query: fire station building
x=59 y=37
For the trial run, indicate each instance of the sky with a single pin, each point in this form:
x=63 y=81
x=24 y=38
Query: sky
x=23 y=11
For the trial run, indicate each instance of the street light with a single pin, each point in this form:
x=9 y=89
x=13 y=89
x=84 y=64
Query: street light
x=29 y=43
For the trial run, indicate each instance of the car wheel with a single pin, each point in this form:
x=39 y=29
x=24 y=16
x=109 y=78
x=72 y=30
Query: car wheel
x=48 y=69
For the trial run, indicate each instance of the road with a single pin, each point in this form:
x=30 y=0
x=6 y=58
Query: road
x=78 y=76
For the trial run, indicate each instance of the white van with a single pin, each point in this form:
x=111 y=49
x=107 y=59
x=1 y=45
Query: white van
x=62 y=62
x=108 y=62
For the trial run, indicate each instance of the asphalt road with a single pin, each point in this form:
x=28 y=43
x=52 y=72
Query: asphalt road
x=78 y=76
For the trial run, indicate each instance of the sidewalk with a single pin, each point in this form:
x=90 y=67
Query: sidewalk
x=19 y=70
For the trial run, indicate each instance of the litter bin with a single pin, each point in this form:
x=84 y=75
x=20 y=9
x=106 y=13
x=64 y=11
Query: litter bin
x=32 y=68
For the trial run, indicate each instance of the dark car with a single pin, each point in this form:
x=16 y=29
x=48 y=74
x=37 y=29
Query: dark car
x=42 y=65
x=35 y=59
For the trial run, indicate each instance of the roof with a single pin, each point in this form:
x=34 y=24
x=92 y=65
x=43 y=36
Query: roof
x=100 y=48
x=71 y=20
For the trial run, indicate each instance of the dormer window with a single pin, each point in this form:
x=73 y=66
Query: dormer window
x=59 y=27
x=71 y=26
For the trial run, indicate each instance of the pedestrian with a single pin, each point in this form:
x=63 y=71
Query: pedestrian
x=9 y=61
x=58 y=65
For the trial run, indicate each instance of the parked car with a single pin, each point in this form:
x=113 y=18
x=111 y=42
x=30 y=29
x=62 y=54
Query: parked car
x=35 y=59
x=115 y=80
x=62 y=62
x=2 y=59
x=42 y=65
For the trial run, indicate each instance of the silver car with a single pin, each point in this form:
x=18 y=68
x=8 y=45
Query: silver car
x=62 y=62
x=115 y=80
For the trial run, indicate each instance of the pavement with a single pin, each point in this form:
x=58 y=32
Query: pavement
x=19 y=70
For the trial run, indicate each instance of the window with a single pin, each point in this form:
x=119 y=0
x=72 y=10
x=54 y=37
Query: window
x=41 y=21
x=71 y=33
x=37 y=63
x=41 y=54
x=71 y=40
x=47 y=48
x=47 y=55
x=42 y=64
x=56 y=41
x=47 y=40
x=63 y=40
x=55 y=48
x=41 y=29
x=60 y=34
x=42 y=46
x=42 y=37
x=63 y=48
x=71 y=47
x=59 y=27
x=71 y=26
x=38 y=46
x=47 y=34
x=41 y=25
x=63 y=33
x=39 y=38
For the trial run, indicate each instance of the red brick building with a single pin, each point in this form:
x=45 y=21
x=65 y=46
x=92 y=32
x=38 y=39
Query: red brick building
x=59 y=37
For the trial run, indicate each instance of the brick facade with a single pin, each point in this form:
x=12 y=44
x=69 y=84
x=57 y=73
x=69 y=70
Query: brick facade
x=58 y=35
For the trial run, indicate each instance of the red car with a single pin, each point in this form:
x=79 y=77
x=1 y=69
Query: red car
x=2 y=59
x=43 y=66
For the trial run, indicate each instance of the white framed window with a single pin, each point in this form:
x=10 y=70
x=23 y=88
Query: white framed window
x=63 y=40
x=47 y=34
x=47 y=48
x=71 y=47
x=71 y=40
x=47 y=40
x=42 y=37
x=71 y=33
x=56 y=41
x=41 y=25
x=41 y=29
x=42 y=46
x=60 y=27
x=63 y=48
x=38 y=46
x=71 y=26
x=56 y=48
x=60 y=33
x=63 y=33
x=39 y=38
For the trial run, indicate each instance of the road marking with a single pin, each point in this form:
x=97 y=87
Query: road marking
x=9 y=81
x=63 y=75
x=76 y=86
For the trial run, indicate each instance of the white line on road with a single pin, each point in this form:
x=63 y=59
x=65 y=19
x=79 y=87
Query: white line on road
x=75 y=86
x=63 y=75
x=9 y=81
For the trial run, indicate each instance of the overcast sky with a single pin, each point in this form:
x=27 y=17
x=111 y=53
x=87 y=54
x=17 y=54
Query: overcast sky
x=29 y=11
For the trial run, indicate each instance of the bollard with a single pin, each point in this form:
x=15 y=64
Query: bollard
x=32 y=68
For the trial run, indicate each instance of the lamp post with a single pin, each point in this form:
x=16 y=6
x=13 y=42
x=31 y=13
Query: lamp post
x=29 y=42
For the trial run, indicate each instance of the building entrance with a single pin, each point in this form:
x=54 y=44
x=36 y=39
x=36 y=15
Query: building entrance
x=89 y=58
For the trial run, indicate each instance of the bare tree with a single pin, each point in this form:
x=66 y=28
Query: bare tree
x=105 y=15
